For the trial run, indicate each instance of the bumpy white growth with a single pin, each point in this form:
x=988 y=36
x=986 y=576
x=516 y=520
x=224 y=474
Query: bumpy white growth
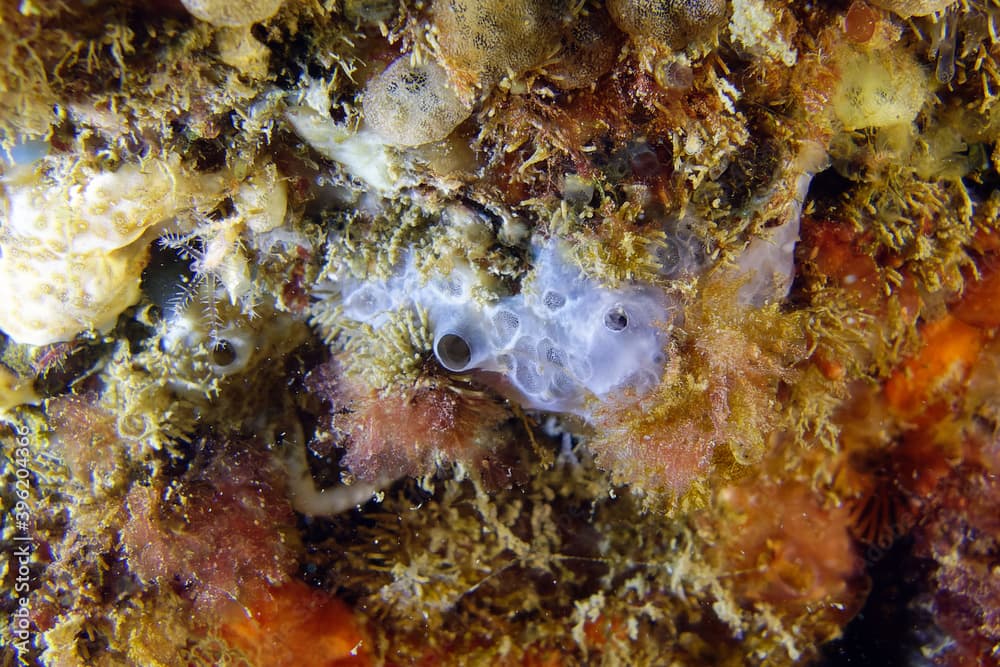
x=74 y=246
x=363 y=153
x=262 y=200
x=752 y=27
x=412 y=104
x=260 y=204
x=561 y=340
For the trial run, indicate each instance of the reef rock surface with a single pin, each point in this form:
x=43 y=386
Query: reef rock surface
x=363 y=332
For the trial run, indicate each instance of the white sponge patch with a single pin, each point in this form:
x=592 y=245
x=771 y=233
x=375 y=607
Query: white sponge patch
x=561 y=341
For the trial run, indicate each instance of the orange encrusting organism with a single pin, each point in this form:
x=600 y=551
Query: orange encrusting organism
x=295 y=625
x=919 y=387
x=980 y=304
x=926 y=396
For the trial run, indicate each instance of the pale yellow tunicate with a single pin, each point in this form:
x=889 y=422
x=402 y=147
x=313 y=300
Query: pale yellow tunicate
x=74 y=244
x=908 y=8
x=878 y=89
x=489 y=39
x=230 y=13
x=671 y=22
x=410 y=105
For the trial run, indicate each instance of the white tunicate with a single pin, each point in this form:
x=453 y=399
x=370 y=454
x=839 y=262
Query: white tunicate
x=363 y=153
x=368 y=301
x=561 y=341
x=453 y=350
x=412 y=104
x=767 y=266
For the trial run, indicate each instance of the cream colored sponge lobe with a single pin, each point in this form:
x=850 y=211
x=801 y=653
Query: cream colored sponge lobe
x=74 y=243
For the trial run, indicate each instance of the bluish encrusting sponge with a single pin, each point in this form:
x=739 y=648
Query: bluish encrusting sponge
x=562 y=340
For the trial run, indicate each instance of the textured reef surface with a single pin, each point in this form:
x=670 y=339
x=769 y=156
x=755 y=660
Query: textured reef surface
x=469 y=332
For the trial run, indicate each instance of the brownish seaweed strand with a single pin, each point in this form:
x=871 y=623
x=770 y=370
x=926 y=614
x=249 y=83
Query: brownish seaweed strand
x=468 y=332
